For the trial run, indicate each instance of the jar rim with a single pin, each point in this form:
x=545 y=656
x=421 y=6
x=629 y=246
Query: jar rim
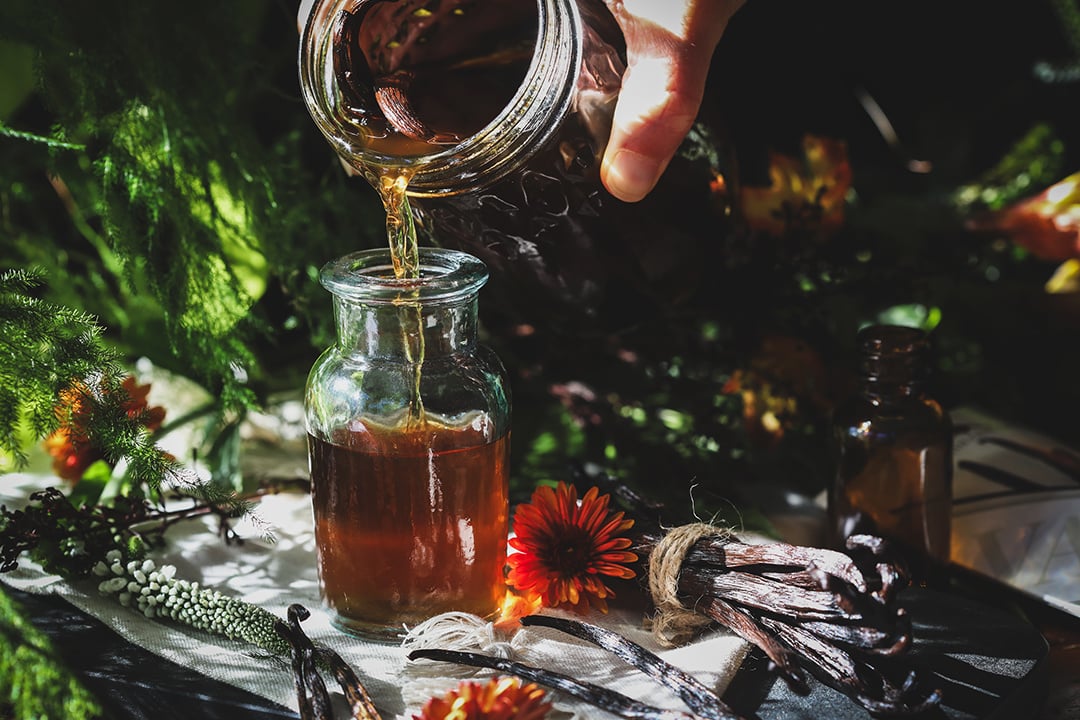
x=367 y=276
x=498 y=149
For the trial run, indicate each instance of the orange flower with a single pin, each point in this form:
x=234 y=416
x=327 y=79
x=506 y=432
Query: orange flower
x=566 y=548
x=1047 y=224
x=499 y=699
x=514 y=607
x=784 y=372
x=70 y=446
x=806 y=194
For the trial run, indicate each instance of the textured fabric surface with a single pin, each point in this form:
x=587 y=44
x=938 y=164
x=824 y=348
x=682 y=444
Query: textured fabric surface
x=277 y=574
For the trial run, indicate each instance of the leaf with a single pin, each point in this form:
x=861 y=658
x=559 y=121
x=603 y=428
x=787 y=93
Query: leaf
x=88 y=491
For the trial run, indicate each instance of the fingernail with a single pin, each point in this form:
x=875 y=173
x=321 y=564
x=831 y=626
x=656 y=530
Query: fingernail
x=631 y=175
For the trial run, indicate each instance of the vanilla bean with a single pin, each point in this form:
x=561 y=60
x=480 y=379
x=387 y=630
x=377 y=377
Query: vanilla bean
x=363 y=708
x=692 y=691
x=812 y=648
x=834 y=614
x=735 y=554
x=863 y=682
x=392 y=95
x=756 y=592
x=311 y=694
x=370 y=98
x=748 y=628
x=313 y=698
x=603 y=698
x=891 y=572
x=868 y=639
x=870 y=610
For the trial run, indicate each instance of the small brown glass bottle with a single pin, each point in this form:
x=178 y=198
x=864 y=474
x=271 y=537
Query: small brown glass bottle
x=894 y=442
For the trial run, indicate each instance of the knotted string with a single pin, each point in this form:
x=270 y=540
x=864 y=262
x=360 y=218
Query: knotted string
x=674 y=623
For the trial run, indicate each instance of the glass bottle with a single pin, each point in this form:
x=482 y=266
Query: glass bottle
x=408 y=419
x=497 y=113
x=894 y=442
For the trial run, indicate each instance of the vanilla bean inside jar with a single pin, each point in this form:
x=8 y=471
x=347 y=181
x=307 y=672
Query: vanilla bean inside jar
x=454 y=96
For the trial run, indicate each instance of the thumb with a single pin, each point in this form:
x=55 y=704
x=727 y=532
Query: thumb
x=668 y=56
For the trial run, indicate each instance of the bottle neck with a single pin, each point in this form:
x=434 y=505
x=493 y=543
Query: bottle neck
x=381 y=315
x=895 y=363
x=406 y=332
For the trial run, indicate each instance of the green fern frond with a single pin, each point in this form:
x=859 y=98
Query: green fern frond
x=193 y=186
x=51 y=143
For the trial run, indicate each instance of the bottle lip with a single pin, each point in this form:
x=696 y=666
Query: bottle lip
x=884 y=338
x=525 y=124
x=367 y=276
x=894 y=360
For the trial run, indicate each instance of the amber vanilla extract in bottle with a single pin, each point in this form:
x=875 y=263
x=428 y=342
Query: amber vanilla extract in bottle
x=408 y=420
x=894 y=443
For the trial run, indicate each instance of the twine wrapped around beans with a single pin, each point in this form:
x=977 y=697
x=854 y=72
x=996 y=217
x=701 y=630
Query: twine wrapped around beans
x=833 y=614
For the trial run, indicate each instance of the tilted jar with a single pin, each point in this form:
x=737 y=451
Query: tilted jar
x=498 y=112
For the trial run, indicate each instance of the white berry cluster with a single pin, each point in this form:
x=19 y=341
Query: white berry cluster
x=159 y=594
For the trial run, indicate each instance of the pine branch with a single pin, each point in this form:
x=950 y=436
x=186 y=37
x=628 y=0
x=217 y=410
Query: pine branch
x=45 y=347
x=56 y=361
x=191 y=179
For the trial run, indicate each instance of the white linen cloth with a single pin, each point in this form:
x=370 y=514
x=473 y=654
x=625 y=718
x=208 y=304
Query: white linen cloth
x=277 y=574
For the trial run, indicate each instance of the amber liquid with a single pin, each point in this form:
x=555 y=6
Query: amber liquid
x=409 y=524
x=411 y=520
x=415 y=76
x=405 y=256
x=894 y=480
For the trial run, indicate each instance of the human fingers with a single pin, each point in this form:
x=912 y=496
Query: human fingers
x=669 y=45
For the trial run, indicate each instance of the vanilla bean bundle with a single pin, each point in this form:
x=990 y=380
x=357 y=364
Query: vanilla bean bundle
x=833 y=614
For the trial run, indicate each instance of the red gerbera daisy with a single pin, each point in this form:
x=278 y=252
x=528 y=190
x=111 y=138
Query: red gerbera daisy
x=566 y=548
x=501 y=698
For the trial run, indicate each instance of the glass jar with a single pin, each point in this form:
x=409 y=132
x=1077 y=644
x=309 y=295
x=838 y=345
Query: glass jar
x=408 y=419
x=498 y=113
x=894 y=443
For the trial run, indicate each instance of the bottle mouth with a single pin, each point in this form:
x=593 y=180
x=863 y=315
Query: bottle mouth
x=368 y=277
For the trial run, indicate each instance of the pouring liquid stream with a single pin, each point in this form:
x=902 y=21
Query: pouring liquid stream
x=405 y=256
x=402 y=75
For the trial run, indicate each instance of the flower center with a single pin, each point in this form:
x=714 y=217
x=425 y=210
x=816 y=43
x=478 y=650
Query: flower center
x=572 y=552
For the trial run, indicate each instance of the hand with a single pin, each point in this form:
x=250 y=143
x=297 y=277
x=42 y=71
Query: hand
x=669 y=46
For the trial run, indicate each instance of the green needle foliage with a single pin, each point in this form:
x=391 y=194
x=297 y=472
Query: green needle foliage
x=160 y=169
x=45 y=347
x=58 y=373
